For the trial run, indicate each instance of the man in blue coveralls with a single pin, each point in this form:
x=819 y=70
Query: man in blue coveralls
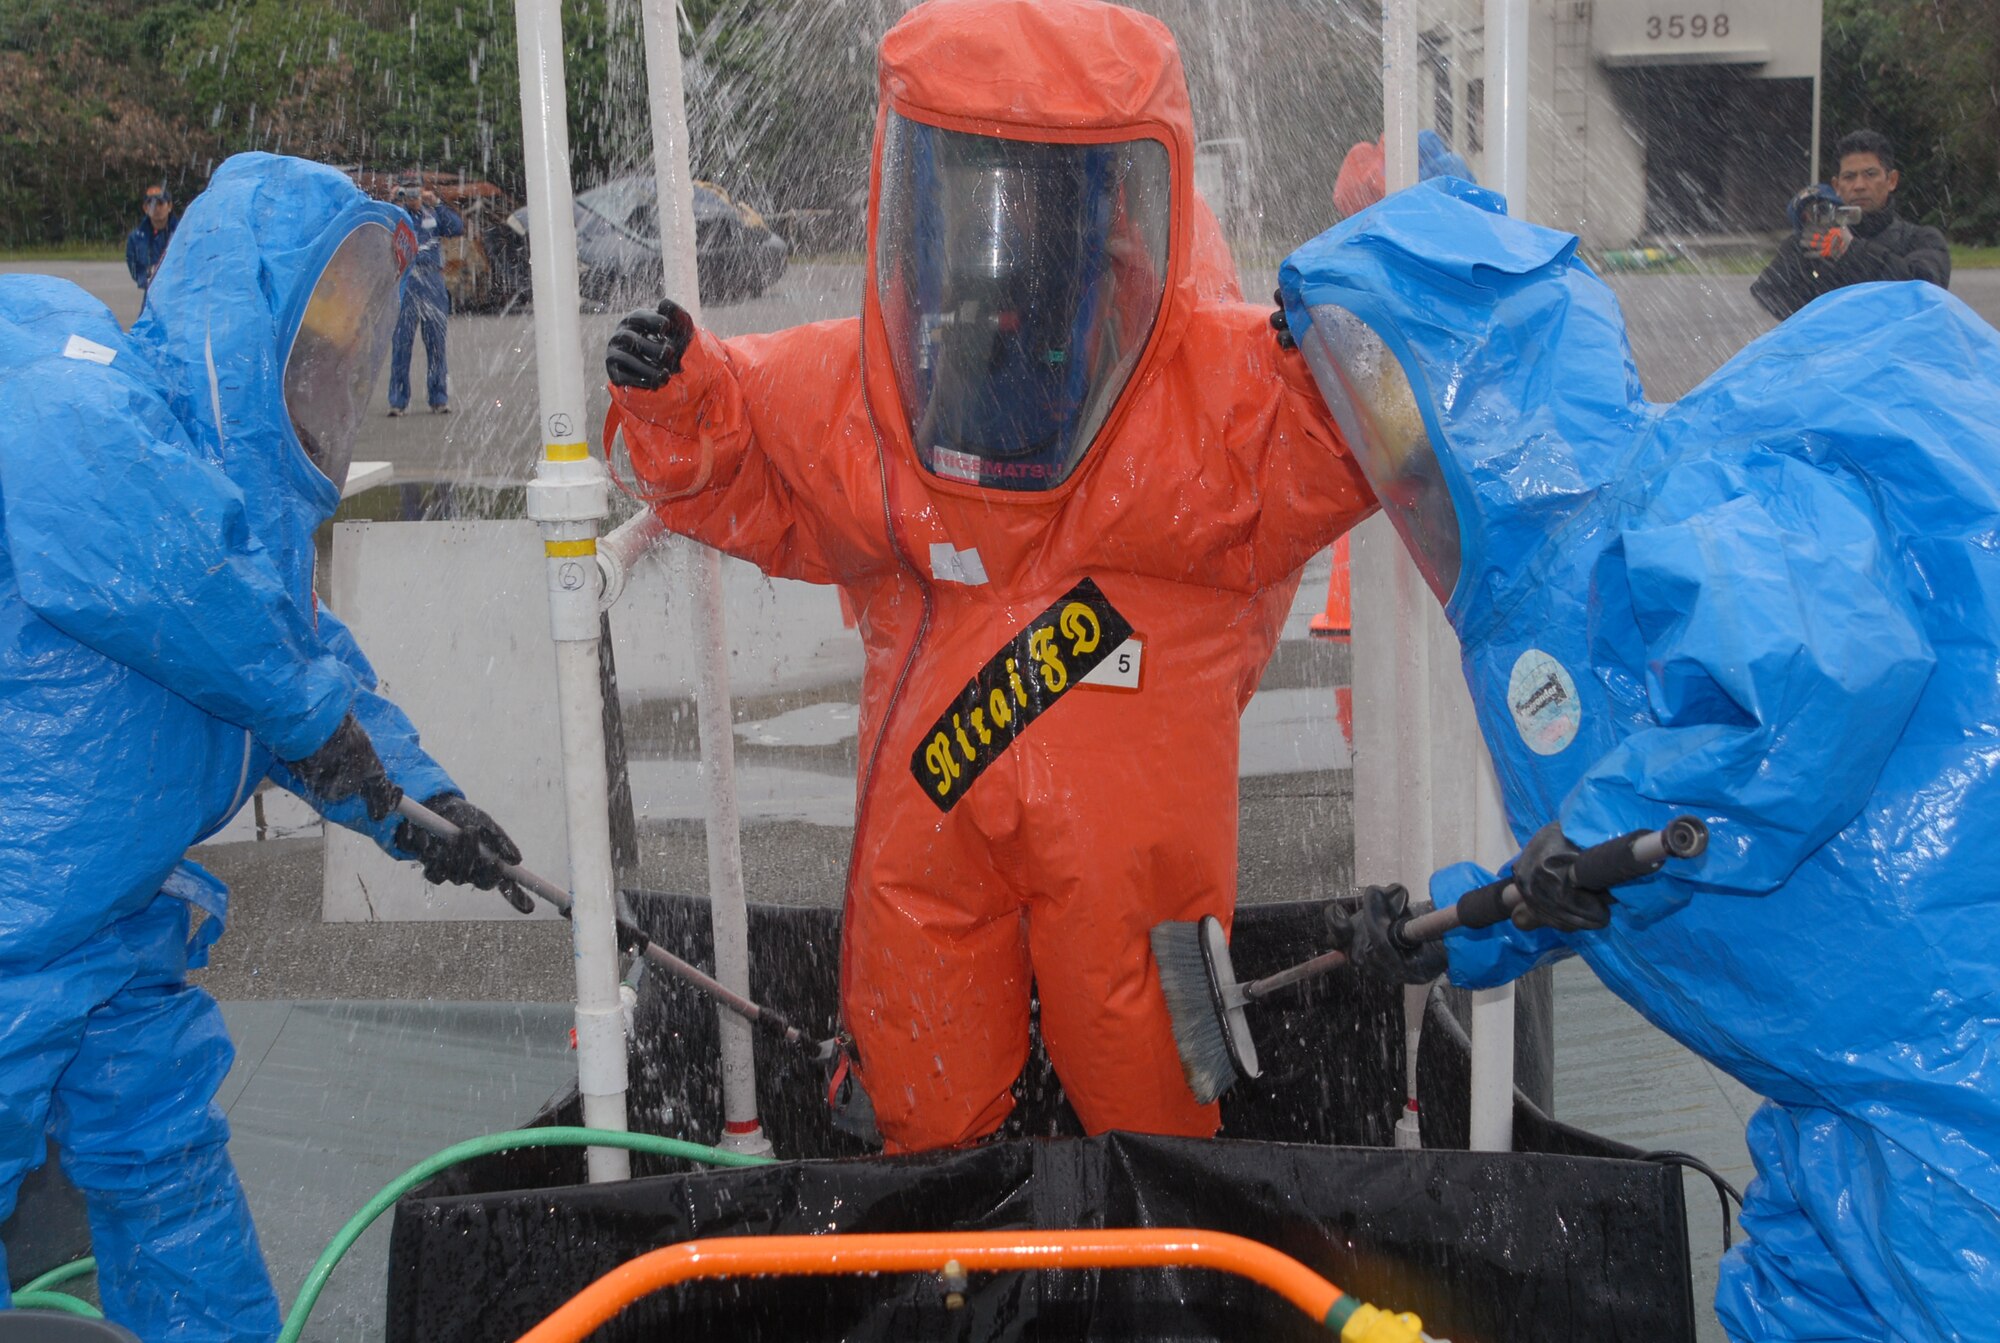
x=425 y=303
x=1774 y=604
x=161 y=652
x=146 y=245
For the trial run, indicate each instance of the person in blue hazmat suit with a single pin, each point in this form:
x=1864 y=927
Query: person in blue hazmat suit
x=161 y=653
x=426 y=305
x=1775 y=604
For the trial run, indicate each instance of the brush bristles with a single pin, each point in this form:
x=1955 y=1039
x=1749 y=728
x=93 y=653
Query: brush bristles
x=1200 y=1035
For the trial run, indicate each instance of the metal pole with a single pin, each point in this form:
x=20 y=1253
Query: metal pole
x=567 y=497
x=1812 y=165
x=728 y=907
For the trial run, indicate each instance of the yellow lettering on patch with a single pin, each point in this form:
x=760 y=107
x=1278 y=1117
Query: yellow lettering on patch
x=1081 y=627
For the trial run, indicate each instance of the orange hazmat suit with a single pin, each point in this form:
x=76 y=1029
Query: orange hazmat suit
x=1060 y=640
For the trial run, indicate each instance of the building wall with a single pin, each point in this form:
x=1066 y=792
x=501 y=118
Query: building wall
x=1645 y=116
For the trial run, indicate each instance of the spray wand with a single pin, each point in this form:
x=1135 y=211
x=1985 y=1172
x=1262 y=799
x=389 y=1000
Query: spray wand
x=1207 y=1002
x=632 y=939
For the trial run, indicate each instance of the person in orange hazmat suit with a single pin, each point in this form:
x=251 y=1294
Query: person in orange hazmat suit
x=1069 y=499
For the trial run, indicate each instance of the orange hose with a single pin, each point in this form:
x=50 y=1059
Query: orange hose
x=928 y=1252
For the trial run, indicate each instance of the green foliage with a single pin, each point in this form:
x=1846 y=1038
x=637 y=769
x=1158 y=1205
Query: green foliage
x=1925 y=74
x=86 y=119
x=100 y=97
x=98 y=100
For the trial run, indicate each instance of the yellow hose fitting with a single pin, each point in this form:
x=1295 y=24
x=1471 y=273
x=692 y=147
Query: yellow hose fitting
x=1372 y=1324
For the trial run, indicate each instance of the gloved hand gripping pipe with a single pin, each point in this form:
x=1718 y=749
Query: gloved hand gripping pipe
x=633 y=939
x=1598 y=868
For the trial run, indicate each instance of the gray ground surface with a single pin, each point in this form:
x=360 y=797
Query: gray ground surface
x=330 y=1099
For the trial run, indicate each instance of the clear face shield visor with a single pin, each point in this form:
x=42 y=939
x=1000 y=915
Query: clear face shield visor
x=1019 y=283
x=342 y=340
x=1371 y=398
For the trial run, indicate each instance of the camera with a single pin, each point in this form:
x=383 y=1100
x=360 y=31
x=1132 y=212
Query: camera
x=1817 y=207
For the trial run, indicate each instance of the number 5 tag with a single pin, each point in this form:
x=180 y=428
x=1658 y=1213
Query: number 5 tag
x=1119 y=670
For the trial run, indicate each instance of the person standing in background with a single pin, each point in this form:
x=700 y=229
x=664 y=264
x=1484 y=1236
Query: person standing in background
x=425 y=302
x=1828 y=253
x=147 y=244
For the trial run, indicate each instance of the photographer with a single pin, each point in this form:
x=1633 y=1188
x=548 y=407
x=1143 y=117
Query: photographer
x=1853 y=237
x=426 y=304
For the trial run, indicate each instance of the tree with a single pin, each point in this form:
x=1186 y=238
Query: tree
x=1925 y=73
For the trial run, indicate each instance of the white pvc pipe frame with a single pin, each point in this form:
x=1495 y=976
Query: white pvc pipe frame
x=568 y=498
x=1413 y=723
x=729 y=913
x=1506 y=118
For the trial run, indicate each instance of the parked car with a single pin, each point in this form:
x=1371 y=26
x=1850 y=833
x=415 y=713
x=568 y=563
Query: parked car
x=478 y=266
x=737 y=254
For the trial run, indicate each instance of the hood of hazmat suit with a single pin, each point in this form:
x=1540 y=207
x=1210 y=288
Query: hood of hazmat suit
x=1360 y=182
x=1774 y=603
x=160 y=650
x=1068 y=492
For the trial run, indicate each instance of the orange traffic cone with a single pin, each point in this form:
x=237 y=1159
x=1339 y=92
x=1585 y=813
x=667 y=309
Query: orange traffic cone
x=1337 y=621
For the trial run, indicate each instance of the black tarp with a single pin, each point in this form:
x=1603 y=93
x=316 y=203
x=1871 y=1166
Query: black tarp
x=49 y=1227
x=1568 y=1238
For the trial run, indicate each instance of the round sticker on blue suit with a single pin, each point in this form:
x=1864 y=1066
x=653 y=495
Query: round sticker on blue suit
x=1542 y=698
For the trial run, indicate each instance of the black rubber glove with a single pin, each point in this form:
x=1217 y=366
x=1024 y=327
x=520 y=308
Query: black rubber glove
x=347 y=765
x=1280 y=323
x=1368 y=937
x=472 y=857
x=1550 y=897
x=646 y=348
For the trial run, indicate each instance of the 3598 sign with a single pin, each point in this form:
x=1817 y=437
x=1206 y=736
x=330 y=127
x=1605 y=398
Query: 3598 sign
x=1675 y=27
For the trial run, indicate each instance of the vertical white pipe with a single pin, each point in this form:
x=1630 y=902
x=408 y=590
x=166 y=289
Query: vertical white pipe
x=1506 y=110
x=1493 y=1019
x=1401 y=89
x=728 y=907
x=1393 y=803
x=567 y=497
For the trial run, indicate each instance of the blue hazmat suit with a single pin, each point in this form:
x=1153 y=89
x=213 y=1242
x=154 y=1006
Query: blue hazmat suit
x=144 y=248
x=160 y=651
x=1775 y=604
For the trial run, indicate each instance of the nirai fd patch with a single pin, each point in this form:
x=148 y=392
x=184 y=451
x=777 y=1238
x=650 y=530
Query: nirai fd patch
x=1018 y=684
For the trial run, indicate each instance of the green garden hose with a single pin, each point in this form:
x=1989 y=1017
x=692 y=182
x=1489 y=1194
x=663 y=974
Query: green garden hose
x=55 y=1277
x=295 y=1322
x=38 y=1293
x=63 y=1301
